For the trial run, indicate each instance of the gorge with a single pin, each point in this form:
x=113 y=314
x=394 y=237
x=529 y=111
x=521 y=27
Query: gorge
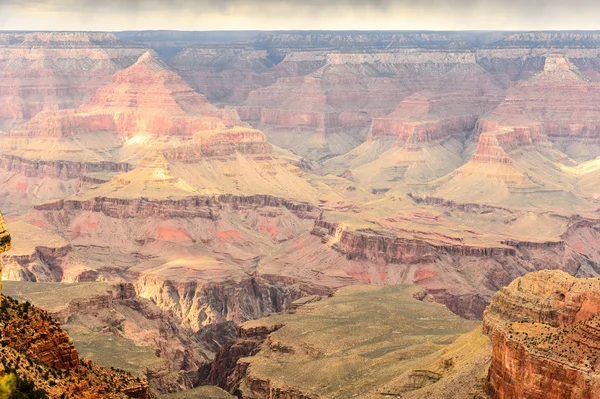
x=199 y=212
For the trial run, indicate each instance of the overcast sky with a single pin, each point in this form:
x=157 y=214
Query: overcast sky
x=111 y=15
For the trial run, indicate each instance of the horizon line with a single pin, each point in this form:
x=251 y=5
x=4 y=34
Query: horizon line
x=306 y=30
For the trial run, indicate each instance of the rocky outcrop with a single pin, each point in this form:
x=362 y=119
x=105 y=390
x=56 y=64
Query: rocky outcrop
x=202 y=207
x=5 y=242
x=37 y=336
x=544 y=329
x=156 y=102
x=385 y=247
x=221 y=144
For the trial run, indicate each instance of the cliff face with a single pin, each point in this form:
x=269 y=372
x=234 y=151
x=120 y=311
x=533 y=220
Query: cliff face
x=544 y=330
x=63 y=170
x=199 y=304
x=203 y=207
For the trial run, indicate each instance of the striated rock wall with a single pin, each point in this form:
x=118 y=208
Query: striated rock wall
x=64 y=170
x=545 y=331
x=422 y=132
x=187 y=207
x=464 y=277
x=35 y=348
x=385 y=247
x=243 y=141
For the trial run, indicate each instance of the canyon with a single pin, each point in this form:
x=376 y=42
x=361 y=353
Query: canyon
x=183 y=199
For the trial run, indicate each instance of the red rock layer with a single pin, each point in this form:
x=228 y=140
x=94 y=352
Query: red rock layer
x=545 y=332
x=330 y=101
x=464 y=277
x=246 y=141
x=34 y=347
x=149 y=86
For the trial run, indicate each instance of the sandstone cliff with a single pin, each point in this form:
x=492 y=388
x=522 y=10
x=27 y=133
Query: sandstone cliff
x=544 y=331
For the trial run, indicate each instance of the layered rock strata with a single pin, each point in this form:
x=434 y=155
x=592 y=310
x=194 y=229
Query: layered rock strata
x=544 y=330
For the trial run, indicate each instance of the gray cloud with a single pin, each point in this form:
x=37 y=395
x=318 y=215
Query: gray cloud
x=300 y=14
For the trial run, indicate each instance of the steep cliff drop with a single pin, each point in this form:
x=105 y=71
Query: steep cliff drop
x=545 y=332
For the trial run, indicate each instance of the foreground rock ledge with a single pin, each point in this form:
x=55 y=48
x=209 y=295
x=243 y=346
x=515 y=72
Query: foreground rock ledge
x=545 y=332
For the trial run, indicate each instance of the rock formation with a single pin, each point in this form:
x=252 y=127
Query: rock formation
x=144 y=98
x=544 y=331
x=456 y=162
